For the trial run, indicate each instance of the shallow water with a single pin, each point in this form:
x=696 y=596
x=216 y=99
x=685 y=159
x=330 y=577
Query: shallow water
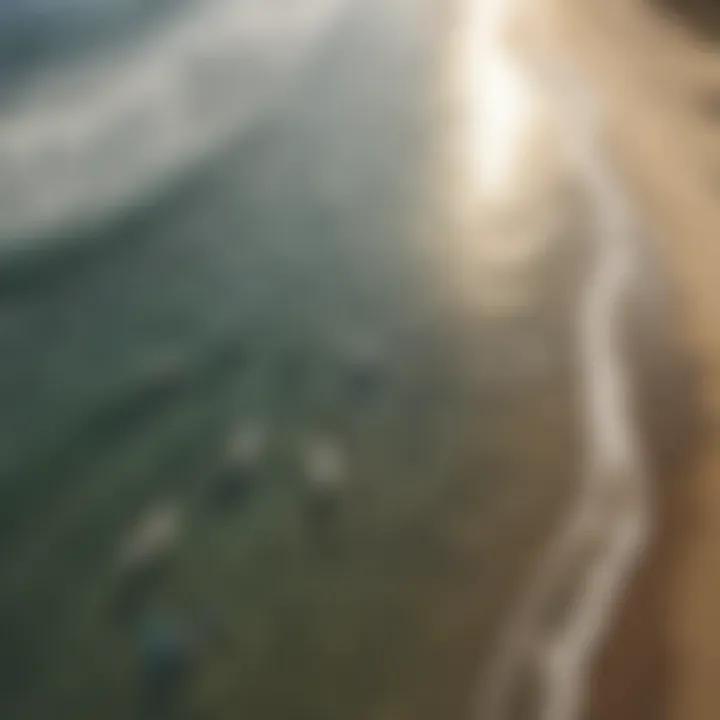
x=128 y=361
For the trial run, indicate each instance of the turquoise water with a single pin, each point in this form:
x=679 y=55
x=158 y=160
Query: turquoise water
x=127 y=362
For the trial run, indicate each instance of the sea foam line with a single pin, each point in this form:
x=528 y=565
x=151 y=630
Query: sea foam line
x=105 y=133
x=599 y=546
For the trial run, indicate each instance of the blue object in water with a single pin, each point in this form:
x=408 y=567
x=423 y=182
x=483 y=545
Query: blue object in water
x=166 y=658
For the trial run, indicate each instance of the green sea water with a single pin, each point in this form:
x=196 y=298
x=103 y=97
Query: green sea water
x=237 y=295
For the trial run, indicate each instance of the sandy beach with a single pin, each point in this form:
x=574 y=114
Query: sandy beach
x=658 y=81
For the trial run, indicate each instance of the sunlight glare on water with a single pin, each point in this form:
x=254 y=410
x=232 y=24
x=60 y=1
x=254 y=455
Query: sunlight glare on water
x=501 y=99
x=497 y=109
x=508 y=156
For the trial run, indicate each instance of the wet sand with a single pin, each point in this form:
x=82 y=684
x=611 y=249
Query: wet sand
x=636 y=666
x=658 y=84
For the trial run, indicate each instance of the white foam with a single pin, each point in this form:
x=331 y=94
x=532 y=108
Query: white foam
x=598 y=547
x=100 y=135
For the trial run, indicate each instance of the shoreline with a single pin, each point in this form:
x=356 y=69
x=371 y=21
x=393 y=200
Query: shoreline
x=569 y=607
x=659 y=660
x=634 y=668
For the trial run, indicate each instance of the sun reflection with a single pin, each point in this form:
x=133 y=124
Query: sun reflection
x=510 y=168
x=501 y=100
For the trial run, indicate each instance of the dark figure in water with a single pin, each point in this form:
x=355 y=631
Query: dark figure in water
x=239 y=470
x=366 y=367
x=166 y=658
x=325 y=480
x=143 y=555
x=132 y=591
x=231 y=486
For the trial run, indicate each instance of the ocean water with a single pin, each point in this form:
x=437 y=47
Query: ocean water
x=233 y=286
